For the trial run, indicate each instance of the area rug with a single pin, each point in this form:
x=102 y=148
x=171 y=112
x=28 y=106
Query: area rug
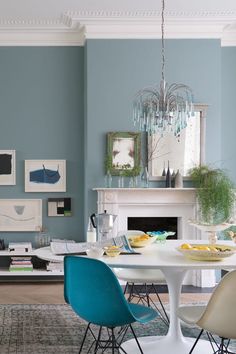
x=45 y=329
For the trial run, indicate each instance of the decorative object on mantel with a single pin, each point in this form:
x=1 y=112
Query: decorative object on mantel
x=164 y=109
x=145 y=177
x=216 y=199
x=178 y=180
x=123 y=153
x=108 y=179
x=168 y=176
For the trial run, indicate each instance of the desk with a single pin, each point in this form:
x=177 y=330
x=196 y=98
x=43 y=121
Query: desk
x=174 y=266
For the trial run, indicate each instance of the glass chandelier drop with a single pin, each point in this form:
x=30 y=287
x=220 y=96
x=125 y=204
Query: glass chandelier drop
x=165 y=108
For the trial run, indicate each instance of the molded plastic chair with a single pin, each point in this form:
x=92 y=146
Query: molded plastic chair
x=140 y=283
x=218 y=317
x=94 y=293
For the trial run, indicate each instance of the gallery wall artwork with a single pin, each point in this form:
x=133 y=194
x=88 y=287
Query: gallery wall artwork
x=59 y=206
x=20 y=214
x=7 y=167
x=45 y=175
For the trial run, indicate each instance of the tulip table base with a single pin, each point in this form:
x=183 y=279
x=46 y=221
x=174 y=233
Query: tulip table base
x=166 y=345
x=174 y=342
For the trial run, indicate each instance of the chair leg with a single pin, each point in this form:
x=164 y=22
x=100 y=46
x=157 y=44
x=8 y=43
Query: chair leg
x=136 y=339
x=98 y=340
x=194 y=345
x=84 y=337
x=161 y=303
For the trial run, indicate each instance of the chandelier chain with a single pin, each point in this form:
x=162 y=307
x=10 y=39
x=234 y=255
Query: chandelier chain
x=163 y=109
x=163 y=40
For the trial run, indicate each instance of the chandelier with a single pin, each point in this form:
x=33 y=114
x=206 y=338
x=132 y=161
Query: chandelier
x=165 y=108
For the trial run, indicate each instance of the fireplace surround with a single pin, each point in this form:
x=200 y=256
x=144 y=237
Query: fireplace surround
x=153 y=203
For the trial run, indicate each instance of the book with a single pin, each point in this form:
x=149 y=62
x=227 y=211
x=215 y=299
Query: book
x=21 y=269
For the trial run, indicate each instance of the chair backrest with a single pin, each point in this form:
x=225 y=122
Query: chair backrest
x=94 y=293
x=220 y=314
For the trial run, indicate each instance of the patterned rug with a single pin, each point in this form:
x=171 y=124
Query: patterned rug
x=45 y=329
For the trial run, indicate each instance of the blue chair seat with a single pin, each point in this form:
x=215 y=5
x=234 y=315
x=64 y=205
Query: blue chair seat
x=142 y=313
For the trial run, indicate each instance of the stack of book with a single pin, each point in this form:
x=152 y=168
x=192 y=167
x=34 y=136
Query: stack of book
x=19 y=264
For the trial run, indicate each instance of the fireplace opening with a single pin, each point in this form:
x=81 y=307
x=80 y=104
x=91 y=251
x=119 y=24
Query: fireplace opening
x=146 y=224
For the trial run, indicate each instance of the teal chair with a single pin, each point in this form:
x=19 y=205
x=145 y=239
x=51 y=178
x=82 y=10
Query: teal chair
x=94 y=293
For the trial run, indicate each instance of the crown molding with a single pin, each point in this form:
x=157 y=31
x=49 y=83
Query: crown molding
x=73 y=28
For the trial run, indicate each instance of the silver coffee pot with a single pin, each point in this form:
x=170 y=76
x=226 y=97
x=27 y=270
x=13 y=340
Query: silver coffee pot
x=104 y=224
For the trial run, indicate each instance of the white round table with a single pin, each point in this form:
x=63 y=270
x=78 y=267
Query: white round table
x=174 y=266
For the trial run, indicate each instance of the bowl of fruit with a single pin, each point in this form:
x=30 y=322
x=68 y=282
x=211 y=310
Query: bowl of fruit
x=142 y=240
x=206 y=252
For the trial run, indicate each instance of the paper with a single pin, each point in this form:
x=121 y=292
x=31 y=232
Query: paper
x=67 y=247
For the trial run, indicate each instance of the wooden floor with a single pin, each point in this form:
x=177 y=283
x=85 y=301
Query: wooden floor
x=52 y=293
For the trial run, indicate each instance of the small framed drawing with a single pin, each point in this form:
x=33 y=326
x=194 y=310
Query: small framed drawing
x=123 y=153
x=7 y=167
x=59 y=206
x=20 y=214
x=45 y=175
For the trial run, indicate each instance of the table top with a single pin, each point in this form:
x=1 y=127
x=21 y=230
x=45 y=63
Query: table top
x=156 y=256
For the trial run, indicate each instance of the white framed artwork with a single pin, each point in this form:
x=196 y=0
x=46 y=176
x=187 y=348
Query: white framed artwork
x=20 y=214
x=7 y=167
x=45 y=175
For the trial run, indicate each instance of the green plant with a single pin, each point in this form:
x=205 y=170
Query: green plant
x=215 y=194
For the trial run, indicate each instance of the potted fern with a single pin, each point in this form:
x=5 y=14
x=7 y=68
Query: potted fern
x=215 y=194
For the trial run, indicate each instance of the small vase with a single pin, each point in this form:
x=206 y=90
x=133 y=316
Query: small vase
x=108 y=180
x=168 y=177
x=164 y=171
x=121 y=181
x=178 y=180
x=133 y=182
x=145 y=178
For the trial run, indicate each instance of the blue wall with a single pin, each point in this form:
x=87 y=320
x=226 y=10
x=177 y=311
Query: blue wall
x=60 y=102
x=117 y=69
x=41 y=100
x=228 y=112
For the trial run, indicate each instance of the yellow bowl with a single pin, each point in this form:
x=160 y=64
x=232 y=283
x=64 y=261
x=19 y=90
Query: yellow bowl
x=112 y=251
x=215 y=252
x=138 y=241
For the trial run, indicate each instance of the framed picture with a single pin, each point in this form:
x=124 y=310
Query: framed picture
x=123 y=153
x=45 y=175
x=7 y=167
x=59 y=206
x=20 y=214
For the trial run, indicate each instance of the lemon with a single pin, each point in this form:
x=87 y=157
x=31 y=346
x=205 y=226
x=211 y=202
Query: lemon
x=186 y=246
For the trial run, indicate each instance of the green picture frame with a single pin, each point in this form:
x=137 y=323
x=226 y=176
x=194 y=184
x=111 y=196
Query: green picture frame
x=123 y=153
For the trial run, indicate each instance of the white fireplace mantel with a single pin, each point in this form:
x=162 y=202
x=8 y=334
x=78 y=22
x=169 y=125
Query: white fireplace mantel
x=154 y=202
x=150 y=202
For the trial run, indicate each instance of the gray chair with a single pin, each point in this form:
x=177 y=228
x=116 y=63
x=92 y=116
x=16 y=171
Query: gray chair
x=140 y=283
x=218 y=317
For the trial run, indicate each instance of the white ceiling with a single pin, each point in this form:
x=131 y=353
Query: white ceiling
x=70 y=22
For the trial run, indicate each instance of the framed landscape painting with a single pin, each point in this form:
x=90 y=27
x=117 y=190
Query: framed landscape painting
x=20 y=214
x=45 y=175
x=7 y=167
